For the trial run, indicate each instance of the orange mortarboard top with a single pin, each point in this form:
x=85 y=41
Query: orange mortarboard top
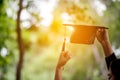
x=83 y=34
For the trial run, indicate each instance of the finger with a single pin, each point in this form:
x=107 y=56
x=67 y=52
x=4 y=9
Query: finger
x=63 y=53
x=99 y=29
x=68 y=55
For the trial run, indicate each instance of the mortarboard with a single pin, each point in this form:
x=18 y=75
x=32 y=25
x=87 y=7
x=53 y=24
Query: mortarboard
x=83 y=34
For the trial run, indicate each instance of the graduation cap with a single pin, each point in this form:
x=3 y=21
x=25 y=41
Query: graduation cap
x=83 y=34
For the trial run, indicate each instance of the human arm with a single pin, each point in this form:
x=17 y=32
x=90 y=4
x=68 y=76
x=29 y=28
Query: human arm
x=63 y=59
x=103 y=38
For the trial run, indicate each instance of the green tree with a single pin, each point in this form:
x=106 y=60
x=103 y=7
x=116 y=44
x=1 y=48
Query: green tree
x=7 y=28
x=111 y=19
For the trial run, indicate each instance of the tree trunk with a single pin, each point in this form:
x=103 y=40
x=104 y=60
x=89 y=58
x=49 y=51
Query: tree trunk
x=20 y=44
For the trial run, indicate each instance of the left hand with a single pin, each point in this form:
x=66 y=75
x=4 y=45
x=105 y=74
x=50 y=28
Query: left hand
x=63 y=59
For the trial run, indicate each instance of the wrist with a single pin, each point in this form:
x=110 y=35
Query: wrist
x=58 y=67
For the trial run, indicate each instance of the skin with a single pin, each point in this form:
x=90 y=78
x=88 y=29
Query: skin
x=63 y=59
x=103 y=38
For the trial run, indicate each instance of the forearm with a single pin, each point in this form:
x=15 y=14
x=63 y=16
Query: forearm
x=108 y=51
x=107 y=48
x=58 y=74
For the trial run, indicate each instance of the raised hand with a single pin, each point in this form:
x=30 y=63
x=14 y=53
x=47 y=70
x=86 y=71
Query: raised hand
x=63 y=59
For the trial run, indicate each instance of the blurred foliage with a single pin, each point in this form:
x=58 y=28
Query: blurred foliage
x=43 y=44
x=7 y=39
x=112 y=19
x=80 y=11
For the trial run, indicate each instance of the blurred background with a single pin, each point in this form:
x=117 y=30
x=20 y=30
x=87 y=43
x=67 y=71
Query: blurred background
x=31 y=37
